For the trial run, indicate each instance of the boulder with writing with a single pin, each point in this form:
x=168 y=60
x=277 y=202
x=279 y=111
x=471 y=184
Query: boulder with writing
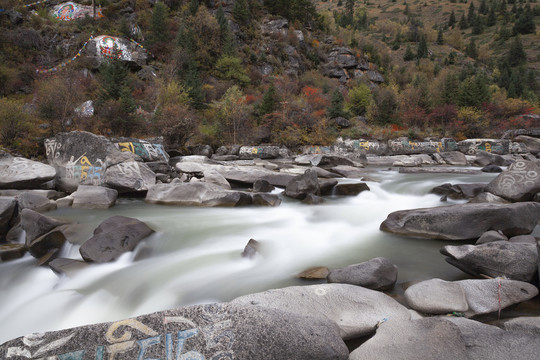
x=106 y=47
x=520 y=182
x=21 y=173
x=212 y=331
x=495 y=146
x=129 y=176
x=148 y=150
x=532 y=144
x=259 y=152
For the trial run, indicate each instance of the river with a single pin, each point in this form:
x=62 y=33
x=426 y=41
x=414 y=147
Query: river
x=194 y=256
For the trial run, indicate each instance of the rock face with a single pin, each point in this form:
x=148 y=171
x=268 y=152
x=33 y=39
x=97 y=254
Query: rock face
x=302 y=185
x=196 y=194
x=94 y=197
x=113 y=237
x=42 y=233
x=470 y=297
x=515 y=261
x=354 y=309
x=8 y=207
x=454 y=222
x=214 y=331
x=376 y=274
x=520 y=182
x=494 y=146
x=84 y=158
x=35 y=202
x=412 y=340
x=21 y=173
x=105 y=47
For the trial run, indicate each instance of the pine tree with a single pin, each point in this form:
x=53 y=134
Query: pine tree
x=471 y=50
x=483 y=9
x=226 y=37
x=193 y=85
x=492 y=18
x=336 y=105
x=422 y=51
x=525 y=23
x=193 y=7
x=440 y=38
x=409 y=54
x=516 y=55
x=270 y=101
x=478 y=26
x=158 y=24
x=471 y=16
x=463 y=22
x=452 y=19
x=450 y=89
x=241 y=12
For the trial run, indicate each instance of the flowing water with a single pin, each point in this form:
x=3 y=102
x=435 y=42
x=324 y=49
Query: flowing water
x=194 y=256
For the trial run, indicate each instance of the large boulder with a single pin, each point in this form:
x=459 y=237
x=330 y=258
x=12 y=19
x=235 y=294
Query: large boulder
x=523 y=324
x=113 y=237
x=195 y=194
x=324 y=160
x=483 y=158
x=129 y=176
x=259 y=152
x=8 y=206
x=21 y=173
x=495 y=146
x=454 y=222
x=458 y=191
x=302 y=185
x=454 y=158
x=37 y=202
x=94 y=197
x=376 y=274
x=428 y=338
x=484 y=341
x=531 y=144
x=213 y=331
x=12 y=251
x=515 y=261
x=354 y=309
x=520 y=182
x=470 y=297
x=103 y=48
x=350 y=189
x=36 y=225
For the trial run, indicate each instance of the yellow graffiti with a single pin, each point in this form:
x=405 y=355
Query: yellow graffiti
x=132 y=323
x=119 y=348
x=254 y=151
x=364 y=145
x=488 y=147
x=126 y=146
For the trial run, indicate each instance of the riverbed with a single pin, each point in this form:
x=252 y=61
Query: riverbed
x=194 y=255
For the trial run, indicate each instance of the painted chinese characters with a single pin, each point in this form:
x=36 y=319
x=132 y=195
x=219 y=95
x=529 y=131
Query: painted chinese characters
x=70 y=11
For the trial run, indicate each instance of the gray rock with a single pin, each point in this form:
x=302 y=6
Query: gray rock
x=201 y=150
x=102 y=48
x=454 y=158
x=35 y=202
x=350 y=189
x=325 y=174
x=375 y=76
x=213 y=177
x=259 y=152
x=494 y=146
x=196 y=194
x=65 y=201
x=317 y=273
x=532 y=144
x=523 y=239
x=262 y=186
x=327 y=186
x=408 y=162
x=376 y=274
x=491 y=236
x=437 y=296
x=492 y=169
x=36 y=225
x=454 y=222
x=483 y=158
x=486 y=197
x=458 y=191
x=47 y=244
x=265 y=199
x=12 y=251
x=213 y=331
x=8 y=206
x=343 y=57
x=330 y=161
x=312 y=199
x=94 y=197
x=21 y=173
x=523 y=324
x=470 y=297
x=349 y=171
x=514 y=261
x=354 y=309
x=113 y=237
x=489 y=342
x=69 y=267
x=303 y=185
x=428 y=338
x=341 y=122
x=520 y=182
x=129 y=176
x=251 y=249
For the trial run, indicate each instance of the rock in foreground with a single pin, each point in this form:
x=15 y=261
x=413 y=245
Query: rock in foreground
x=464 y=222
x=216 y=331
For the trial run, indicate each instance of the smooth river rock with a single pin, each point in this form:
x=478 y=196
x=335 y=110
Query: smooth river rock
x=356 y=310
x=21 y=173
x=512 y=260
x=94 y=197
x=376 y=274
x=520 y=182
x=470 y=297
x=213 y=331
x=113 y=237
x=196 y=194
x=454 y=222
x=8 y=206
x=302 y=185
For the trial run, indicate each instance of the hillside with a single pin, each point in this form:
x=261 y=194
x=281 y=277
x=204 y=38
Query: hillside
x=251 y=71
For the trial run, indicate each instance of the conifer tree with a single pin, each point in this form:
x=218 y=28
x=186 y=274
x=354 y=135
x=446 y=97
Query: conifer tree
x=463 y=22
x=516 y=54
x=336 y=105
x=471 y=49
x=452 y=19
x=471 y=16
x=226 y=37
x=440 y=38
x=193 y=7
x=409 y=54
x=193 y=85
x=483 y=9
x=525 y=23
x=422 y=51
x=241 y=12
x=492 y=18
x=158 y=24
x=270 y=101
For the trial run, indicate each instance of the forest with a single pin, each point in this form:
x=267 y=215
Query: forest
x=252 y=71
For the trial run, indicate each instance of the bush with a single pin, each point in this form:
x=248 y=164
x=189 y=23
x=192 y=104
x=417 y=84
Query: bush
x=359 y=99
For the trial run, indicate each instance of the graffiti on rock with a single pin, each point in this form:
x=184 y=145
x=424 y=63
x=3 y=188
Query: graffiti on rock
x=84 y=172
x=71 y=11
x=471 y=147
x=145 y=150
x=410 y=147
x=179 y=338
x=519 y=174
x=317 y=149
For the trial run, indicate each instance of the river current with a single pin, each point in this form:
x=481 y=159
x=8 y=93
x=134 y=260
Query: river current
x=194 y=256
